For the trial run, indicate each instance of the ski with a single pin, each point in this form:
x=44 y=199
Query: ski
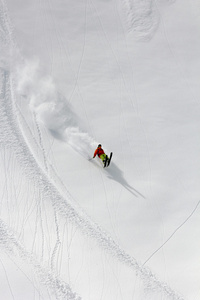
x=109 y=159
x=105 y=161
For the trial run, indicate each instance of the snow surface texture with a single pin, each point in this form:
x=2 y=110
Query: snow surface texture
x=72 y=74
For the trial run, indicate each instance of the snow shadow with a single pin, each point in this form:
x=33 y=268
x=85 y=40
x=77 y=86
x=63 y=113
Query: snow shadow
x=114 y=173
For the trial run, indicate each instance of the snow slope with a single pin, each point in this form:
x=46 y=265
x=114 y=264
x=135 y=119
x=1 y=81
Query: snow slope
x=125 y=74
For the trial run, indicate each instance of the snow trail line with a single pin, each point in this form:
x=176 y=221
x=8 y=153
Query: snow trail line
x=12 y=246
x=169 y=238
x=13 y=138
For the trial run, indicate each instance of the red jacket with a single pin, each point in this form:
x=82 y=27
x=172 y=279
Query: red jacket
x=98 y=152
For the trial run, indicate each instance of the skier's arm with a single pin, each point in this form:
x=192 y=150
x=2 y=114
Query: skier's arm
x=95 y=153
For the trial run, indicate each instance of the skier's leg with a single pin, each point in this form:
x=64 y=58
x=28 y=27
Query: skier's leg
x=103 y=157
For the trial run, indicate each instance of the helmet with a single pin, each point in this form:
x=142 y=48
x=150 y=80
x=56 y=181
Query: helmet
x=99 y=145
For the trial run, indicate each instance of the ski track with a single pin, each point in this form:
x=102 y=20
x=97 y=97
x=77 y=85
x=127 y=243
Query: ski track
x=9 y=285
x=11 y=137
x=169 y=238
x=13 y=248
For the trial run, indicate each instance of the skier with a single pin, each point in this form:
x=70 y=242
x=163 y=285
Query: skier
x=101 y=154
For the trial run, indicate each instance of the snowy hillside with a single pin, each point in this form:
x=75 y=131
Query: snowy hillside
x=74 y=74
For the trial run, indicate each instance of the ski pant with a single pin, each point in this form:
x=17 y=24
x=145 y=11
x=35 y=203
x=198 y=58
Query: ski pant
x=103 y=156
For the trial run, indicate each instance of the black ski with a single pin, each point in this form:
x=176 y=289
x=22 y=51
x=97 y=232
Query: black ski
x=109 y=159
x=105 y=161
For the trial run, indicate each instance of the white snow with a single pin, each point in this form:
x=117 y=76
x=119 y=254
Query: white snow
x=74 y=74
